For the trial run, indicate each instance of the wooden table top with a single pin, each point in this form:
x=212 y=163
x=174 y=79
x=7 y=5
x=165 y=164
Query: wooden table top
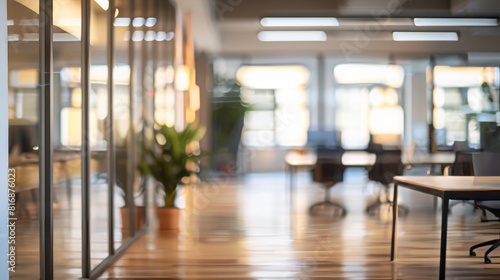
x=350 y=158
x=453 y=183
x=442 y=158
x=296 y=159
x=366 y=159
x=358 y=159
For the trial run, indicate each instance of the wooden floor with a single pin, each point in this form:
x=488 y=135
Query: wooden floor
x=246 y=229
x=67 y=231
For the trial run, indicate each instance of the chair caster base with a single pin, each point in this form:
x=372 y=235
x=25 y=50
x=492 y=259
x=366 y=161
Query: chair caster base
x=343 y=211
x=370 y=209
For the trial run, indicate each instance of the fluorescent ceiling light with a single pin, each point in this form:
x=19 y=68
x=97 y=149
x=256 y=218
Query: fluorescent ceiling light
x=150 y=36
x=455 y=22
x=164 y=36
x=291 y=36
x=150 y=21
x=425 y=36
x=122 y=21
x=161 y=36
x=137 y=36
x=138 y=21
x=170 y=36
x=298 y=21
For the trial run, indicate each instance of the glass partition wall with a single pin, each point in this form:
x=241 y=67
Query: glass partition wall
x=79 y=126
x=24 y=119
x=465 y=103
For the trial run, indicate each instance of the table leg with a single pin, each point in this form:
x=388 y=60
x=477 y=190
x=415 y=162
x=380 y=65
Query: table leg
x=444 y=232
x=293 y=171
x=394 y=223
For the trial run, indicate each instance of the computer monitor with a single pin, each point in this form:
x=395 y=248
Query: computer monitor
x=324 y=138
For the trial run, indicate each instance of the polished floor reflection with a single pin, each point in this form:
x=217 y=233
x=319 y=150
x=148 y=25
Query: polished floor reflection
x=246 y=229
x=67 y=230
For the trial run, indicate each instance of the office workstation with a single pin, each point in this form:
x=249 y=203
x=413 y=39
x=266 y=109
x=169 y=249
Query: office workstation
x=263 y=139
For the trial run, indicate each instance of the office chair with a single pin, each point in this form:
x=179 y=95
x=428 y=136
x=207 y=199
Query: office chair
x=484 y=165
x=387 y=165
x=328 y=171
x=462 y=166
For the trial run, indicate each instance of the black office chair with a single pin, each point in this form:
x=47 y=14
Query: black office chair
x=462 y=166
x=387 y=165
x=486 y=164
x=329 y=171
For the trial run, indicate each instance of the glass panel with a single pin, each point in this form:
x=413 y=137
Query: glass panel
x=67 y=140
x=98 y=117
x=138 y=94
x=459 y=94
x=23 y=106
x=121 y=115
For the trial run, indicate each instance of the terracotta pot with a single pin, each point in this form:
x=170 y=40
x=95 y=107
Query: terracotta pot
x=139 y=217
x=168 y=218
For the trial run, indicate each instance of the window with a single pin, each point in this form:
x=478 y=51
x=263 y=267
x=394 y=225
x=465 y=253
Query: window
x=460 y=94
x=278 y=114
x=367 y=103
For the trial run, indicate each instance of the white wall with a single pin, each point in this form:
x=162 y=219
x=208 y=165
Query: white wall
x=4 y=156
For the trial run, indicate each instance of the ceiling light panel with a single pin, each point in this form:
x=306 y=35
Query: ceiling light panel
x=455 y=21
x=425 y=36
x=122 y=21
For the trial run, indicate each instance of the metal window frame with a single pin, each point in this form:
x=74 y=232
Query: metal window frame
x=85 y=153
x=4 y=153
x=46 y=140
x=111 y=153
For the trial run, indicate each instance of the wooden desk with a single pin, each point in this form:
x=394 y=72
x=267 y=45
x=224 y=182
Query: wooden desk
x=442 y=158
x=358 y=159
x=445 y=187
x=295 y=161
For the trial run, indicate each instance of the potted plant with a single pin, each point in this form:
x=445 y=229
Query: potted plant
x=121 y=183
x=171 y=158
